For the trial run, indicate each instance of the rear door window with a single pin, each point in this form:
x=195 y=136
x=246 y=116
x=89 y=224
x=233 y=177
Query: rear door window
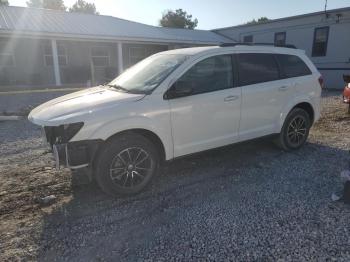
x=254 y=68
x=292 y=66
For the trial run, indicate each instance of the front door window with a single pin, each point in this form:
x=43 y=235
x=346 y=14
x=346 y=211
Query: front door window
x=208 y=75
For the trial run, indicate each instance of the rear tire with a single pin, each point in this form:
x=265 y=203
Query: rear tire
x=295 y=130
x=126 y=164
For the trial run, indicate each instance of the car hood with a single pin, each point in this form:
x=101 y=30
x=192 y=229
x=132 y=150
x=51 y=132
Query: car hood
x=76 y=107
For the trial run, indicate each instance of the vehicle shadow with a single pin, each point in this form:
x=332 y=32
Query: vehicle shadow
x=93 y=226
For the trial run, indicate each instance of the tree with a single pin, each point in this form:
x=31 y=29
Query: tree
x=260 y=20
x=54 y=4
x=82 y=6
x=47 y=4
x=178 y=19
x=35 y=3
x=4 y=2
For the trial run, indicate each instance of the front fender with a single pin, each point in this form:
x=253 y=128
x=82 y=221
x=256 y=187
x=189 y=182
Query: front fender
x=163 y=131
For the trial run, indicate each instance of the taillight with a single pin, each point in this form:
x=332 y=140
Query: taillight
x=321 y=81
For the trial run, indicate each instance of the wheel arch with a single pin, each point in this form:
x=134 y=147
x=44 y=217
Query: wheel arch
x=308 y=108
x=158 y=132
x=140 y=131
x=303 y=104
x=154 y=138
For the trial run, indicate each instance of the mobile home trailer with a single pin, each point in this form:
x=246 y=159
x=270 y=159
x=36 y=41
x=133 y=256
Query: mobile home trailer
x=325 y=36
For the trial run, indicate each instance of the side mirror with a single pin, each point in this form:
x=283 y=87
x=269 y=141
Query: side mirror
x=179 y=89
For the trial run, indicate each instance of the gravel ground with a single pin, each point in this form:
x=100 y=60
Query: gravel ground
x=244 y=202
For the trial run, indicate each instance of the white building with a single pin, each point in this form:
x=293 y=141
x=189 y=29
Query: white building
x=40 y=47
x=325 y=36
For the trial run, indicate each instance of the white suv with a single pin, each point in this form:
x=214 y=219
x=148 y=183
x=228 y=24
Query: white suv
x=181 y=102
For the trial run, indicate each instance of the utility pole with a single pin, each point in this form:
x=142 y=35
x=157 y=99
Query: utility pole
x=325 y=6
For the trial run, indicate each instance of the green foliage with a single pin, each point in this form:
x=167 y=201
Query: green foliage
x=4 y=2
x=178 y=19
x=260 y=20
x=82 y=6
x=54 y=4
x=35 y=3
x=47 y=4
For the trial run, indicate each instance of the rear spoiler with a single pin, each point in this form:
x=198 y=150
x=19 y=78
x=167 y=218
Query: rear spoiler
x=346 y=78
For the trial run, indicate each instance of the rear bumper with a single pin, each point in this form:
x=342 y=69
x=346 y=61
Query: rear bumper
x=75 y=155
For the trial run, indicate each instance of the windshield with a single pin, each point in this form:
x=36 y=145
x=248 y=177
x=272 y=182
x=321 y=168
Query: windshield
x=146 y=75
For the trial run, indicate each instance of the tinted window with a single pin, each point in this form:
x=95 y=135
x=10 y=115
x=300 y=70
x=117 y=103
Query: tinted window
x=257 y=68
x=214 y=73
x=293 y=66
x=319 y=47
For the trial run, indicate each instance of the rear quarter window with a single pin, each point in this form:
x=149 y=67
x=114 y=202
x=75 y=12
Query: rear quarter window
x=293 y=66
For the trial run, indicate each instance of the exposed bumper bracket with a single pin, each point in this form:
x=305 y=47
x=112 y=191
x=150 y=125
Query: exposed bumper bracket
x=75 y=155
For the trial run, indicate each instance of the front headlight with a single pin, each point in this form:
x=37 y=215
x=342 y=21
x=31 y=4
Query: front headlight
x=71 y=130
x=63 y=133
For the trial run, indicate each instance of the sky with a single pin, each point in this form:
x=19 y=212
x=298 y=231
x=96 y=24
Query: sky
x=210 y=14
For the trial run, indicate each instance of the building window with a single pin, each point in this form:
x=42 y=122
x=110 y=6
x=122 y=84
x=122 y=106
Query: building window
x=6 y=54
x=61 y=52
x=100 y=56
x=248 y=39
x=319 y=47
x=280 y=38
x=136 y=54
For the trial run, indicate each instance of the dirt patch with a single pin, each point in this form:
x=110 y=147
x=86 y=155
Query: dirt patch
x=333 y=128
x=21 y=212
x=334 y=115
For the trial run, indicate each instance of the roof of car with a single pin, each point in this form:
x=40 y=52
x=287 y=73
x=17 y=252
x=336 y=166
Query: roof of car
x=190 y=51
x=255 y=48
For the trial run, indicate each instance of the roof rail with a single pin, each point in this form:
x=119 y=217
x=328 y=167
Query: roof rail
x=234 y=44
x=257 y=44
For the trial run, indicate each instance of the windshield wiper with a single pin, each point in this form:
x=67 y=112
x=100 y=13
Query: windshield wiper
x=118 y=87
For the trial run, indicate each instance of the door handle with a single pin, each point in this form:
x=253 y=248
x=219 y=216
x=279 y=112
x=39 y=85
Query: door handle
x=283 y=88
x=231 y=98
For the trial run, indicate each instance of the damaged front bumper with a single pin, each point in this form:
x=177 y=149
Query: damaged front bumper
x=70 y=154
x=75 y=155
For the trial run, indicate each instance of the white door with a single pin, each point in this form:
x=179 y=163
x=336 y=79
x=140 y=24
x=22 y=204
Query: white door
x=205 y=107
x=264 y=94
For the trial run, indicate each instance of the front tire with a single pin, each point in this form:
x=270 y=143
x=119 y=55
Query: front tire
x=126 y=164
x=295 y=130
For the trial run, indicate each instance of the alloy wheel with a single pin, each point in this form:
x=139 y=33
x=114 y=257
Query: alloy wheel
x=130 y=167
x=297 y=131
